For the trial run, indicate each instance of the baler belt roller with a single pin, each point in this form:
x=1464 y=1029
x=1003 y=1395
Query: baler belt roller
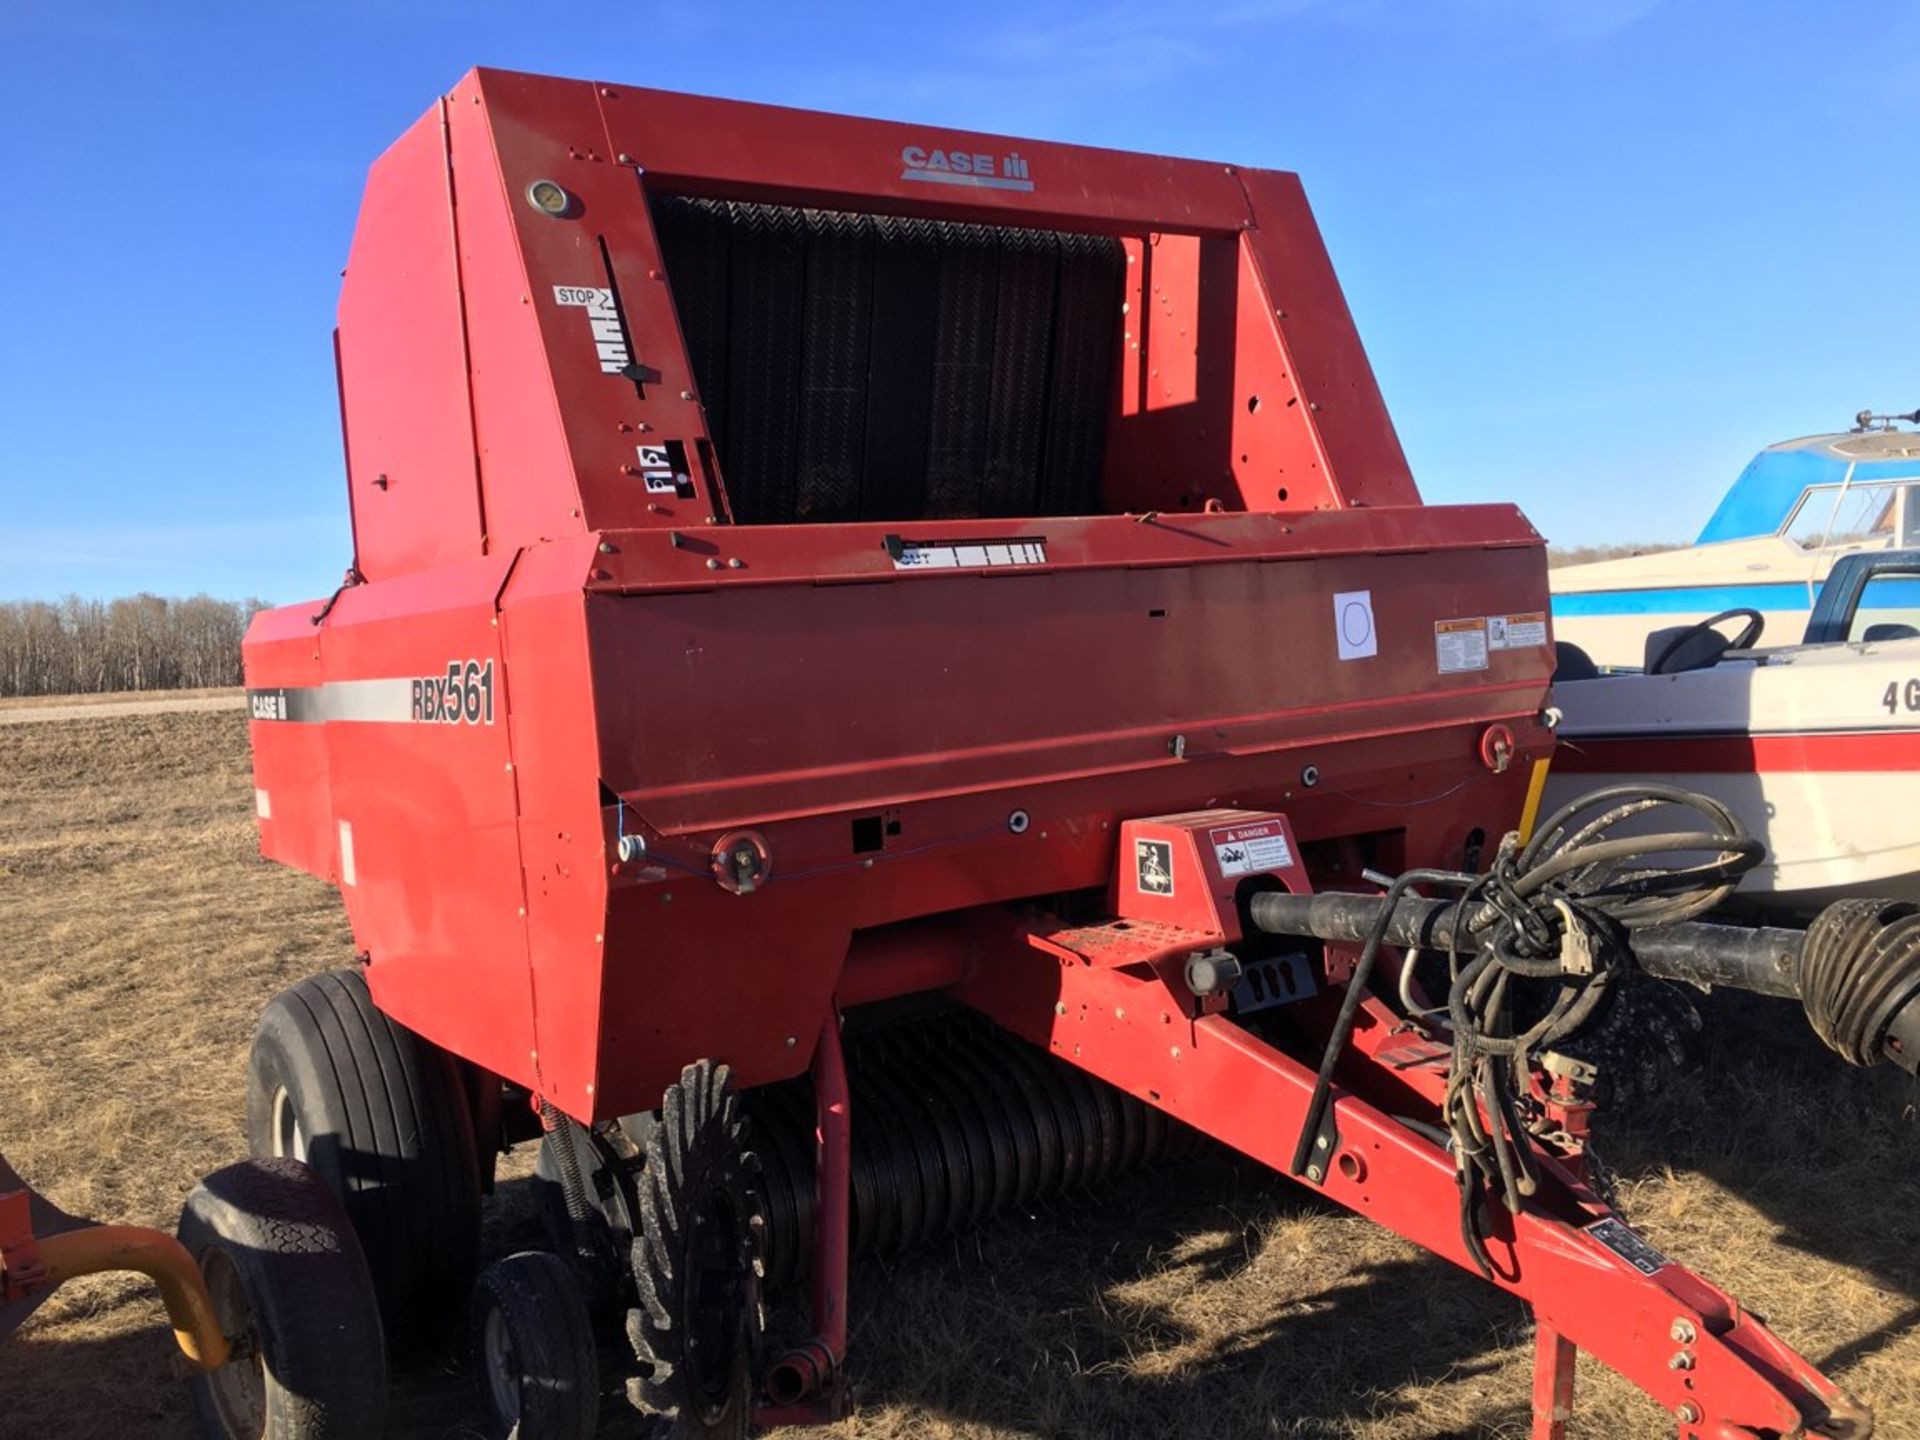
x=867 y=367
x=959 y=1122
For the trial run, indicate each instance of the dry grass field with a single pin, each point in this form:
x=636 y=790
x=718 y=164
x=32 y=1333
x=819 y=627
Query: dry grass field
x=140 y=934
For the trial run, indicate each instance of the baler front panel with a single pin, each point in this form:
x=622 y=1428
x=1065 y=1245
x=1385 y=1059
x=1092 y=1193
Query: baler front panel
x=749 y=703
x=913 y=747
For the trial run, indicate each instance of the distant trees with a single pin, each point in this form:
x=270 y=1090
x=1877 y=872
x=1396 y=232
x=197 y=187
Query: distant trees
x=1558 y=555
x=139 y=642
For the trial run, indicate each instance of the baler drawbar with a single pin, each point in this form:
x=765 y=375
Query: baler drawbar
x=888 y=673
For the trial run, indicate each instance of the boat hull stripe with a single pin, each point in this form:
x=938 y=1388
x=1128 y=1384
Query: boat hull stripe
x=1884 y=594
x=1834 y=752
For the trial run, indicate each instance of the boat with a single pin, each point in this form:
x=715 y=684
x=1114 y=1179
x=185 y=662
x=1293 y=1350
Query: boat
x=1797 y=508
x=1814 y=744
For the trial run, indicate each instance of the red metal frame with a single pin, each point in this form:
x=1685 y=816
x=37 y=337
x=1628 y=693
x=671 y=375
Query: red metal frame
x=517 y=739
x=804 y=1385
x=1553 y=1374
x=1136 y=1026
x=497 y=521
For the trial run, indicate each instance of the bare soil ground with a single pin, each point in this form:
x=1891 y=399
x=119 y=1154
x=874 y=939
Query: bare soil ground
x=43 y=709
x=114 y=697
x=140 y=934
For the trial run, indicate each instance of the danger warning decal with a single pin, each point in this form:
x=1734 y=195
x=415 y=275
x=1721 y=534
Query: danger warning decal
x=1517 y=632
x=1460 y=644
x=1153 y=866
x=1250 y=849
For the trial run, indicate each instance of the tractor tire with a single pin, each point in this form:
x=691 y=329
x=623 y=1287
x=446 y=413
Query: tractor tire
x=382 y=1117
x=534 y=1361
x=698 y=1328
x=293 y=1293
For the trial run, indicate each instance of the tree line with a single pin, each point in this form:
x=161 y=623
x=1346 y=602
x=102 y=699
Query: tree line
x=138 y=642
x=1558 y=555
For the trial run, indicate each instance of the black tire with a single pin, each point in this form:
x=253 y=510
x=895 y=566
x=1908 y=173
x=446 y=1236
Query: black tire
x=533 y=1357
x=698 y=1328
x=381 y=1115
x=291 y=1288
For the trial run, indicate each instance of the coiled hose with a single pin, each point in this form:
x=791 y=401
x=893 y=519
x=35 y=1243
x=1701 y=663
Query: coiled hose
x=1558 y=911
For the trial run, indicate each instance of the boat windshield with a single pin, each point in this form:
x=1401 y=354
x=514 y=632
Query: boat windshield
x=1883 y=512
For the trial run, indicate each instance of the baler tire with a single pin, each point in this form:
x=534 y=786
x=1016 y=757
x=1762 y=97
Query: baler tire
x=534 y=1361
x=291 y=1288
x=696 y=1177
x=382 y=1117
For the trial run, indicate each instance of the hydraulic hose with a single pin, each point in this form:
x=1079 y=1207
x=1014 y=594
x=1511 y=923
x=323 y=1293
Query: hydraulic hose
x=1556 y=912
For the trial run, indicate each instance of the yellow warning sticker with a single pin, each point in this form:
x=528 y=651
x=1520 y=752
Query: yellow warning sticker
x=1460 y=644
x=1517 y=632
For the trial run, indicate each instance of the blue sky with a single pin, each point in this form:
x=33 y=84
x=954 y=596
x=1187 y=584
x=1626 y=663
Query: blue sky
x=1600 y=252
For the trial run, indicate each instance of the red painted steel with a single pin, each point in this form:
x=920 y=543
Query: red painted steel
x=805 y=1383
x=516 y=740
x=1134 y=1029
x=658 y=672
x=1553 y=1376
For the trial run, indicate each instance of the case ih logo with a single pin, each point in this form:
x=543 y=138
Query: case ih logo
x=965 y=167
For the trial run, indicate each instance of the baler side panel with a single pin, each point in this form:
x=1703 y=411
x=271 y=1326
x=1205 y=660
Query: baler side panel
x=428 y=832
x=1209 y=409
x=292 y=784
x=1280 y=453
x=563 y=844
x=561 y=414
x=1321 y=344
x=526 y=472
x=403 y=362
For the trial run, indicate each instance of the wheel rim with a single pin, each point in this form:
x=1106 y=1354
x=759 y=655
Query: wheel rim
x=289 y=1139
x=503 y=1369
x=238 y=1389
